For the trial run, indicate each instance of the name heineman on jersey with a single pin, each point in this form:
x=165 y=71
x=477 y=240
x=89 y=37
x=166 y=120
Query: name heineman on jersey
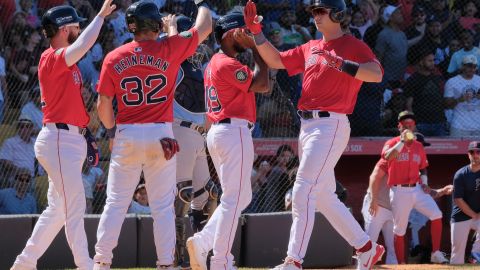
x=140 y=59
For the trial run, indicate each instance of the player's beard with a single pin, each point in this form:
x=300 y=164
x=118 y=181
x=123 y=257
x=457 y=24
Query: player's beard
x=72 y=37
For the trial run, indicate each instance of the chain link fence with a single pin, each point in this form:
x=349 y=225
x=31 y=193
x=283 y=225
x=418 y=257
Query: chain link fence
x=429 y=52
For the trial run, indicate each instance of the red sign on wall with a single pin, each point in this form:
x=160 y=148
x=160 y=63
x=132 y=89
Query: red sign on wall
x=367 y=146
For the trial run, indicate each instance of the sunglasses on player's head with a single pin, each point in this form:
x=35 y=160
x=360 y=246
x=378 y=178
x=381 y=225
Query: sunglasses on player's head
x=320 y=11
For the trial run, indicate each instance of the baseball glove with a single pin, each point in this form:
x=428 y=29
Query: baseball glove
x=92 y=148
x=170 y=147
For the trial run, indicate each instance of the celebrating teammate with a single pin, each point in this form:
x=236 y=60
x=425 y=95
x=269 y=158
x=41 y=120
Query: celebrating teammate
x=466 y=206
x=229 y=89
x=377 y=210
x=408 y=181
x=141 y=75
x=195 y=189
x=334 y=68
x=60 y=147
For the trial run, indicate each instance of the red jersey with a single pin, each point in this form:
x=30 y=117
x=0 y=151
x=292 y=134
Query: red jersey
x=405 y=168
x=61 y=88
x=226 y=89
x=141 y=75
x=325 y=88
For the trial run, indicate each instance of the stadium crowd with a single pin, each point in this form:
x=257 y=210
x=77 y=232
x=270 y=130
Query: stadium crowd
x=429 y=51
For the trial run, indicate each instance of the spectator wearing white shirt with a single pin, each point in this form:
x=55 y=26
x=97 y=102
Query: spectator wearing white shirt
x=139 y=203
x=90 y=176
x=32 y=109
x=463 y=97
x=18 y=151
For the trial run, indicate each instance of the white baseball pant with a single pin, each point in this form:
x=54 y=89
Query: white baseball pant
x=321 y=143
x=62 y=153
x=404 y=199
x=231 y=149
x=192 y=162
x=137 y=147
x=459 y=236
x=382 y=221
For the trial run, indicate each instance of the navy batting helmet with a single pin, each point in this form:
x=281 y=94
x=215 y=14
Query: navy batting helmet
x=337 y=8
x=57 y=17
x=184 y=23
x=143 y=15
x=226 y=23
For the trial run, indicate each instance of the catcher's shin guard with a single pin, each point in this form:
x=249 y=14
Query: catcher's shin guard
x=198 y=219
x=182 y=204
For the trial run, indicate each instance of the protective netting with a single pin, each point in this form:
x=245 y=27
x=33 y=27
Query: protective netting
x=429 y=51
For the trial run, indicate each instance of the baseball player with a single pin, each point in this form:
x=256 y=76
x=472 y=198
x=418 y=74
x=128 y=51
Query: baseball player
x=466 y=205
x=230 y=95
x=195 y=189
x=377 y=211
x=61 y=147
x=408 y=181
x=141 y=76
x=334 y=68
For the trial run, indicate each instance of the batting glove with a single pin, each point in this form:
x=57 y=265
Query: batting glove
x=252 y=20
x=337 y=62
x=170 y=147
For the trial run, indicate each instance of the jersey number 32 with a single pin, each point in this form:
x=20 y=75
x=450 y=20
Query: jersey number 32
x=136 y=93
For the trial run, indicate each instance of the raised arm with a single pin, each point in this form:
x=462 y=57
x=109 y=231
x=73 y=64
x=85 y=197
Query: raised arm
x=203 y=23
x=85 y=41
x=267 y=51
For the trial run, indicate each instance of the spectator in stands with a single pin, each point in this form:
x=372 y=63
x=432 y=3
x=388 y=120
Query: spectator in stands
x=277 y=181
x=434 y=39
x=370 y=10
x=391 y=47
x=416 y=30
x=395 y=105
x=371 y=34
x=293 y=33
x=18 y=151
x=29 y=7
x=424 y=93
x=291 y=86
x=18 y=200
x=453 y=46
x=461 y=95
x=273 y=9
x=259 y=179
x=466 y=39
x=346 y=25
x=3 y=87
x=32 y=109
x=139 y=203
x=108 y=38
x=469 y=16
x=118 y=23
x=84 y=9
x=359 y=22
x=90 y=64
x=90 y=176
x=90 y=101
